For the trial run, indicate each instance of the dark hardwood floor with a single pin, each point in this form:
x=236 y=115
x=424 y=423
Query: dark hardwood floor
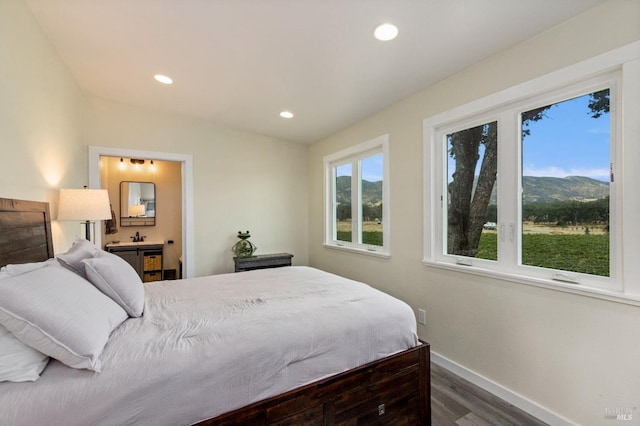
x=457 y=402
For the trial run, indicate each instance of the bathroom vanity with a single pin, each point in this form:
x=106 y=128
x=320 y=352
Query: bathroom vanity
x=145 y=257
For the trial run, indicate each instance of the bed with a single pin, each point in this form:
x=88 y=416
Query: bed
x=285 y=346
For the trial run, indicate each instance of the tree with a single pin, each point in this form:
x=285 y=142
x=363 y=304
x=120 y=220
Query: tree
x=468 y=205
x=469 y=195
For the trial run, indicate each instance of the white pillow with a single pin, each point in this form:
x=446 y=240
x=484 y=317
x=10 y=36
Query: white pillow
x=19 y=362
x=59 y=314
x=118 y=280
x=80 y=250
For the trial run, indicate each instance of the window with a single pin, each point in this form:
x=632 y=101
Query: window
x=551 y=154
x=565 y=174
x=342 y=202
x=357 y=198
x=471 y=176
x=525 y=184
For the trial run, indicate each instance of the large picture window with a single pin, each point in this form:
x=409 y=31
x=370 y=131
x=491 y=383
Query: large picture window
x=552 y=155
x=526 y=184
x=357 y=194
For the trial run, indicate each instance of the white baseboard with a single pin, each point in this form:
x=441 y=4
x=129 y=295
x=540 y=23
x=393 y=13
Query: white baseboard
x=501 y=392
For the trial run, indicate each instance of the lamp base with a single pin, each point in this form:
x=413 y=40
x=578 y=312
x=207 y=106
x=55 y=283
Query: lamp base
x=88 y=228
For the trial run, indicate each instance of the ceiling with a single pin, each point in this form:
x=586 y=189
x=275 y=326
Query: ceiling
x=241 y=62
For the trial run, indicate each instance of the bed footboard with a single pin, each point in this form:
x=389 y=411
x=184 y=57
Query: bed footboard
x=392 y=391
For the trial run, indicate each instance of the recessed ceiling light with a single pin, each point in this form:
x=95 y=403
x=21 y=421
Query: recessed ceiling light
x=386 y=32
x=163 y=79
x=286 y=114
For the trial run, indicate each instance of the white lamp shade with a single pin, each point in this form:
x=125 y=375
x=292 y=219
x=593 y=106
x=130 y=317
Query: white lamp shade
x=137 y=210
x=84 y=204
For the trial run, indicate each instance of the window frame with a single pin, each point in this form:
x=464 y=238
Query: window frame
x=614 y=70
x=353 y=155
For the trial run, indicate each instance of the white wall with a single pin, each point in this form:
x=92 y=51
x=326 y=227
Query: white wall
x=40 y=118
x=573 y=355
x=242 y=180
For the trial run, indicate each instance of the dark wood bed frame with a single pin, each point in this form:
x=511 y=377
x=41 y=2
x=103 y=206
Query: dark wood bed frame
x=394 y=390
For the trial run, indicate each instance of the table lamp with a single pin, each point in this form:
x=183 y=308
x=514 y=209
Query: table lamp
x=86 y=205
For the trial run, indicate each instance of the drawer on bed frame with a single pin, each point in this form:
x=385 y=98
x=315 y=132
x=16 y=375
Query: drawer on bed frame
x=392 y=391
x=393 y=398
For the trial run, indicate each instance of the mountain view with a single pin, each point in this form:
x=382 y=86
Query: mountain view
x=549 y=189
x=371 y=191
x=579 y=188
x=536 y=190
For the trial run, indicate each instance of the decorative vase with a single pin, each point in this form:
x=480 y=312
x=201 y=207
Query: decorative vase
x=244 y=247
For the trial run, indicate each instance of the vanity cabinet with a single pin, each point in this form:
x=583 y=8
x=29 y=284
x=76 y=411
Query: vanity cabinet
x=145 y=257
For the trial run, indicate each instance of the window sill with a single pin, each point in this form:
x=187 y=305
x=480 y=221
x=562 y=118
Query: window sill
x=610 y=295
x=359 y=250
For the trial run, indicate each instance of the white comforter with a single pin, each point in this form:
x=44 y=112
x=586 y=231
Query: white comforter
x=209 y=345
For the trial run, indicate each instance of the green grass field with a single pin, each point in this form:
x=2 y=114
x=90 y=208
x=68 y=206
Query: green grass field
x=368 y=237
x=371 y=232
x=588 y=254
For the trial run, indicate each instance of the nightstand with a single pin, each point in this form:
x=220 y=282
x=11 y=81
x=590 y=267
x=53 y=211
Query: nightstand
x=262 y=261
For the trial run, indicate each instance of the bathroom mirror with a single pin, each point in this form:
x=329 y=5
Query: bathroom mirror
x=137 y=203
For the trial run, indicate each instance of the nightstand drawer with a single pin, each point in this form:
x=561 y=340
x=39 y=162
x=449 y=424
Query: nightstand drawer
x=262 y=261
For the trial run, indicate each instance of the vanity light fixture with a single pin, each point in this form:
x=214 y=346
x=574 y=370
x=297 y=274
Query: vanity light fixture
x=163 y=79
x=386 y=32
x=286 y=114
x=136 y=162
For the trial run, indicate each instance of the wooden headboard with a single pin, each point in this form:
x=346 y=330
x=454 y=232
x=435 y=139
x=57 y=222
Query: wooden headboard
x=25 y=231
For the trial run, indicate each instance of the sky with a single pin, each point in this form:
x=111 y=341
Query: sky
x=372 y=168
x=567 y=141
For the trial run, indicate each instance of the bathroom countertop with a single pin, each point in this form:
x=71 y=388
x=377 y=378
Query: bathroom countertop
x=134 y=244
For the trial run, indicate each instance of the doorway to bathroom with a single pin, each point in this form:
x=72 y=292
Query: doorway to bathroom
x=170 y=204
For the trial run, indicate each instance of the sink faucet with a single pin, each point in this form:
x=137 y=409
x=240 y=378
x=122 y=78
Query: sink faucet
x=138 y=238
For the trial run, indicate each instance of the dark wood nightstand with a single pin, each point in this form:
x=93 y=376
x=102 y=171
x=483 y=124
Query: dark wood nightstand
x=262 y=261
